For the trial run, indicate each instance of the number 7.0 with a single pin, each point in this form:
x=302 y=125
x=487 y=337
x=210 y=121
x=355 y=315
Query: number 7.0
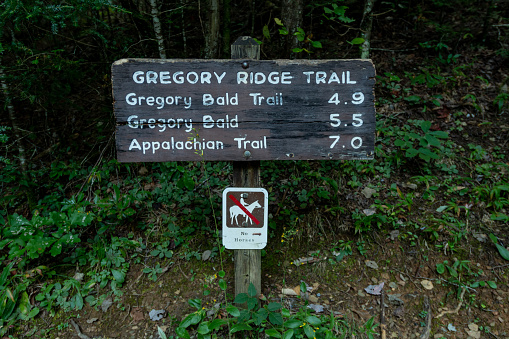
x=336 y=139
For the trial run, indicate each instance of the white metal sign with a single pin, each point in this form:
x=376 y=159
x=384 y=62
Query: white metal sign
x=245 y=218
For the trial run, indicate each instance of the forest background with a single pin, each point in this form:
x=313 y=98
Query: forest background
x=81 y=231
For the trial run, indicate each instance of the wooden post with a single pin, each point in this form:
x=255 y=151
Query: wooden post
x=246 y=174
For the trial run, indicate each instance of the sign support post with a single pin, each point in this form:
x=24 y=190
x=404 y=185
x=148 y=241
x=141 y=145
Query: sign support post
x=246 y=174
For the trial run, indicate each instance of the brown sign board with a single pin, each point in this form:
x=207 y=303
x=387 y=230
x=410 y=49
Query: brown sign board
x=242 y=110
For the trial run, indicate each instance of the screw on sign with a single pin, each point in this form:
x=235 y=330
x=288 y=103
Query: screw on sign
x=245 y=217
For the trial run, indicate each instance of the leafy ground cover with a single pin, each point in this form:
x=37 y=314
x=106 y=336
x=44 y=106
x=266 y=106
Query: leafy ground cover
x=115 y=250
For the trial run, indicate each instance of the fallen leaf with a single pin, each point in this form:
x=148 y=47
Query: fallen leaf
x=369 y=211
x=399 y=312
x=395 y=299
x=316 y=308
x=312 y=298
x=375 y=289
x=427 y=284
x=480 y=237
x=450 y=327
x=288 y=291
x=394 y=235
x=91 y=320
x=368 y=192
x=409 y=185
x=137 y=314
x=106 y=304
x=372 y=264
x=206 y=255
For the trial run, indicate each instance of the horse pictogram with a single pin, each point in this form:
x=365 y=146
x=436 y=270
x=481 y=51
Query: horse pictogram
x=235 y=211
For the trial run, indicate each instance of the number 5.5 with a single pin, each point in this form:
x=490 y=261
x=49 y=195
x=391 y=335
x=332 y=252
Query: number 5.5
x=335 y=122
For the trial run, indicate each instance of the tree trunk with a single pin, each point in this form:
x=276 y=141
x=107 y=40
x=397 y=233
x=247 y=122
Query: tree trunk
x=366 y=25
x=291 y=15
x=157 y=28
x=212 y=34
x=19 y=137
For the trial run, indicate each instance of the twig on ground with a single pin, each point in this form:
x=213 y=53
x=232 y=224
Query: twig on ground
x=409 y=278
x=455 y=311
x=382 y=316
x=128 y=312
x=77 y=328
x=180 y=268
x=427 y=309
x=500 y=266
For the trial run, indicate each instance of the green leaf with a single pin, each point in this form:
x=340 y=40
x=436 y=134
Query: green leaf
x=33 y=313
x=260 y=316
x=222 y=284
x=79 y=301
x=433 y=141
x=276 y=319
x=56 y=249
x=196 y=303
x=503 y=251
x=234 y=311
x=24 y=304
x=251 y=290
x=17 y=220
x=427 y=153
x=241 y=298
x=5 y=273
x=252 y=303
x=399 y=142
x=221 y=274
x=217 y=323
x=292 y=323
x=440 y=268
x=491 y=284
x=452 y=271
x=274 y=306
x=119 y=276
x=442 y=208
x=313 y=320
x=266 y=32
x=425 y=126
x=191 y=319
x=288 y=334
x=203 y=328
x=161 y=333
x=240 y=327
x=182 y=333
x=493 y=238
x=357 y=41
x=411 y=152
x=308 y=330
x=271 y=332
x=440 y=134
x=278 y=22
x=414 y=99
x=316 y=44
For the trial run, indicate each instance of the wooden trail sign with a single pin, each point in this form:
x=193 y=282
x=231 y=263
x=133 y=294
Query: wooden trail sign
x=243 y=110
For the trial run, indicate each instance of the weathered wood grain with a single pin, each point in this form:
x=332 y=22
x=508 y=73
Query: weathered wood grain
x=297 y=116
